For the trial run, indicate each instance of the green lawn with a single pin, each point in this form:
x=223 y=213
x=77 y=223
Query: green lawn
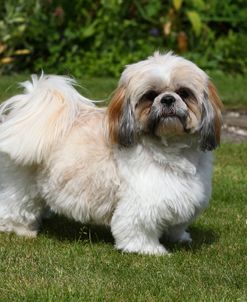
x=72 y=262
x=233 y=90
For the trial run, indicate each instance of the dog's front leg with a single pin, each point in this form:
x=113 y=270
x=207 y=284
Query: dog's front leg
x=135 y=228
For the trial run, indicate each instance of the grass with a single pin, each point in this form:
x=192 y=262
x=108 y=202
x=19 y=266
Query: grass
x=72 y=262
x=233 y=90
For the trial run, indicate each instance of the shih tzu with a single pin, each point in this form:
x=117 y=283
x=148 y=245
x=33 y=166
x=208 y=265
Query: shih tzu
x=143 y=165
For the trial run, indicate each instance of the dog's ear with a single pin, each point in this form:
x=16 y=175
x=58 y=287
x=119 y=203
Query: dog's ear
x=211 y=119
x=121 y=121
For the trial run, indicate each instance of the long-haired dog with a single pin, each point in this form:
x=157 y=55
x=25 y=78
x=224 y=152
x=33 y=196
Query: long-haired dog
x=142 y=166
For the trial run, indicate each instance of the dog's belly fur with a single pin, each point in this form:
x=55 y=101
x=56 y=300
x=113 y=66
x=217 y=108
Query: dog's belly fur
x=80 y=179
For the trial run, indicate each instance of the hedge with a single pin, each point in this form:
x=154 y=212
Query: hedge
x=100 y=37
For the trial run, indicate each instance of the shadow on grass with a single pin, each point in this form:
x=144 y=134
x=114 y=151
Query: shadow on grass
x=64 y=229
x=201 y=236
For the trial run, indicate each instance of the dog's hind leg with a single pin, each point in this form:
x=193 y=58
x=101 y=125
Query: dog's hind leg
x=20 y=206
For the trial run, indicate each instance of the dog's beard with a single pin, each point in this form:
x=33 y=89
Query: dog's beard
x=169 y=121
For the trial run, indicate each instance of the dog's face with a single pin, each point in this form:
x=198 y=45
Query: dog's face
x=165 y=96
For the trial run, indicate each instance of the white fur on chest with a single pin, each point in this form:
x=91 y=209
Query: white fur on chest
x=174 y=183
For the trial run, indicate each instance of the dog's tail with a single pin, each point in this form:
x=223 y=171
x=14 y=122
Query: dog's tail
x=32 y=122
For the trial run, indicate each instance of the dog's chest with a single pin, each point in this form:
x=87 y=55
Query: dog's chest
x=179 y=185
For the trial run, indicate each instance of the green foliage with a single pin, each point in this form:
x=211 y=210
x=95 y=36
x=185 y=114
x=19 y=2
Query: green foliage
x=100 y=37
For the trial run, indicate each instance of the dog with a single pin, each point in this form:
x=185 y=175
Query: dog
x=143 y=165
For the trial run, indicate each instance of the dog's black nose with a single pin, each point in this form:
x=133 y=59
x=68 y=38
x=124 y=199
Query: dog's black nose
x=168 y=100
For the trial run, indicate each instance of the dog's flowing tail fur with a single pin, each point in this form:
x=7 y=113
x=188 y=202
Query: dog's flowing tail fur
x=32 y=122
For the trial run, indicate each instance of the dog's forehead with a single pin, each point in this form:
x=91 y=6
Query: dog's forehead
x=162 y=71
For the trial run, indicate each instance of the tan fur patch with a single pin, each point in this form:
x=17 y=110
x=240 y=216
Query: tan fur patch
x=194 y=114
x=218 y=106
x=142 y=112
x=114 y=112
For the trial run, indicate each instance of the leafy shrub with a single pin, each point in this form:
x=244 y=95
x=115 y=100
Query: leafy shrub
x=99 y=37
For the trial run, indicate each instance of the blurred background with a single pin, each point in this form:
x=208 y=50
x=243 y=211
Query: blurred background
x=94 y=40
x=99 y=37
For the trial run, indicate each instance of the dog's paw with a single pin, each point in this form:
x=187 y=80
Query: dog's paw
x=185 y=237
x=178 y=235
x=19 y=229
x=25 y=231
x=148 y=249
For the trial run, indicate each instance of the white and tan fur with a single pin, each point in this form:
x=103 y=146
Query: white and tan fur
x=105 y=165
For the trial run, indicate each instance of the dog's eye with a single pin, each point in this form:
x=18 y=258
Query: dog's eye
x=150 y=95
x=183 y=93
